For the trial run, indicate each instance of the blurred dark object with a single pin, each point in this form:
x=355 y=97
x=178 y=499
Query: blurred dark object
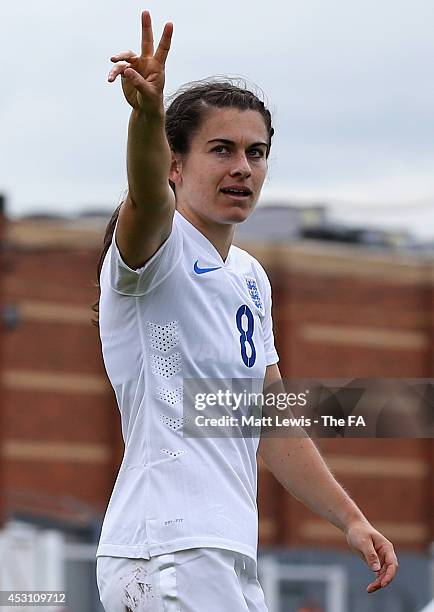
x=357 y=235
x=283 y=223
x=280 y=223
x=10 y=316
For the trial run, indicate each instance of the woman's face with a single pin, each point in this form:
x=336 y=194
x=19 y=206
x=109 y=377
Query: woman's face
x=221 y=177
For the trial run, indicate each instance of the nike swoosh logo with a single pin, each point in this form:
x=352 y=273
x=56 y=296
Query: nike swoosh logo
x=204 y=270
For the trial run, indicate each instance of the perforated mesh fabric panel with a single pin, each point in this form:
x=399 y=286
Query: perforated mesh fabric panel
x=166 y=366
x=163 y=337
x=169 y=396
x=173 y=453
x=174 y=424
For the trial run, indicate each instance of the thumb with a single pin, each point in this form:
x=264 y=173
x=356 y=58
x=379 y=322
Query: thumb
x=135 y=79
x=147 y=97
x=372 y=559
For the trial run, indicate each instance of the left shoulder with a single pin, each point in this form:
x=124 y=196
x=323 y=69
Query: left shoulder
x=248 y=265
x=243 y=256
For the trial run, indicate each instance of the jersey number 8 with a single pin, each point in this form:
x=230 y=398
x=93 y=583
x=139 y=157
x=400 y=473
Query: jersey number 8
x=246 y=335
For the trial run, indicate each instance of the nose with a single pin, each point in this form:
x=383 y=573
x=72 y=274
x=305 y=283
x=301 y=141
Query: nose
x=241 y=167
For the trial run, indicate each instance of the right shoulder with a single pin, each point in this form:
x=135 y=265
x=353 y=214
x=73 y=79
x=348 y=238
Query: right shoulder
x=141 y=230
x=135 y=282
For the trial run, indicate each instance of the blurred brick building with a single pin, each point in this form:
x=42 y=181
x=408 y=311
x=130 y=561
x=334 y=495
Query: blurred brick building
x=340 y=310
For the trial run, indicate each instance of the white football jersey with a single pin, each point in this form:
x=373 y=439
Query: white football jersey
x=186 y=314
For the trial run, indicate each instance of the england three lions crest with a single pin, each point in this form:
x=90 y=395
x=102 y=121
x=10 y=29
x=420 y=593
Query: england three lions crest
x=254 y=293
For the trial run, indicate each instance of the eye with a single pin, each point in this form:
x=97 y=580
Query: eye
x=256 y=152
x=221 y=149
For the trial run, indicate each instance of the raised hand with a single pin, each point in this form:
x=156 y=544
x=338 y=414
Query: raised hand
x=143 y=75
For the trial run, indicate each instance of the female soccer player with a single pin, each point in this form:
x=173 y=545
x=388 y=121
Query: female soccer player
x=177 y=302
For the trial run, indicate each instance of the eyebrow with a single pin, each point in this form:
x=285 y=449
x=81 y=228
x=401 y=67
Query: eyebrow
x=231 y=142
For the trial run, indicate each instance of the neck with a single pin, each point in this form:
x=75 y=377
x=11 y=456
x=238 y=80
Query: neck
x=219 y=234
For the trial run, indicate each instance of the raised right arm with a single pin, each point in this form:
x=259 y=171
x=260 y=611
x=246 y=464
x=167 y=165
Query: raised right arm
x=146 y=215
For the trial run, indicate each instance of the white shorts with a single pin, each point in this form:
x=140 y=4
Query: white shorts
x=192 y=580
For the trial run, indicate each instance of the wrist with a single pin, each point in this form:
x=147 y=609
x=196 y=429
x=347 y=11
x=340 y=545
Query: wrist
x=146 y=127
x=150 y=116
x=354 y=520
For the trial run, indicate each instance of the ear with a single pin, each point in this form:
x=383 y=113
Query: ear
x=175 y=174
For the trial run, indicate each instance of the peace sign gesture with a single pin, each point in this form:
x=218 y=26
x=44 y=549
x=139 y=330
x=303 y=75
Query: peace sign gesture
x=143 y=75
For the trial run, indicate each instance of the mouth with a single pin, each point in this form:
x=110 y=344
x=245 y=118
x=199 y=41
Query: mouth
x=236 y=193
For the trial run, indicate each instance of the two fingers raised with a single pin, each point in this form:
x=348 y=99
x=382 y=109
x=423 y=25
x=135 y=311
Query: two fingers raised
x=148 y=39
x=147 y=48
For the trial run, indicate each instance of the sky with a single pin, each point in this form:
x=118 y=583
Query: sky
x=350 y=85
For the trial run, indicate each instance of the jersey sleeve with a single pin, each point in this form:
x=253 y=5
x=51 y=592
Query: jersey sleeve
x=126 y=281
x=271 y=355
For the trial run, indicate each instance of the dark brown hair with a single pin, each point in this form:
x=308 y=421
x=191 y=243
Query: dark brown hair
x=185 y=112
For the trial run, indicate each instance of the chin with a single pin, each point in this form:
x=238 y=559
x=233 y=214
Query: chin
x=237 y=214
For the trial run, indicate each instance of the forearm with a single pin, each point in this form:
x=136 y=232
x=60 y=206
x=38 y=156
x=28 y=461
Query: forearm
x=299 y=467
x=148 y=158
